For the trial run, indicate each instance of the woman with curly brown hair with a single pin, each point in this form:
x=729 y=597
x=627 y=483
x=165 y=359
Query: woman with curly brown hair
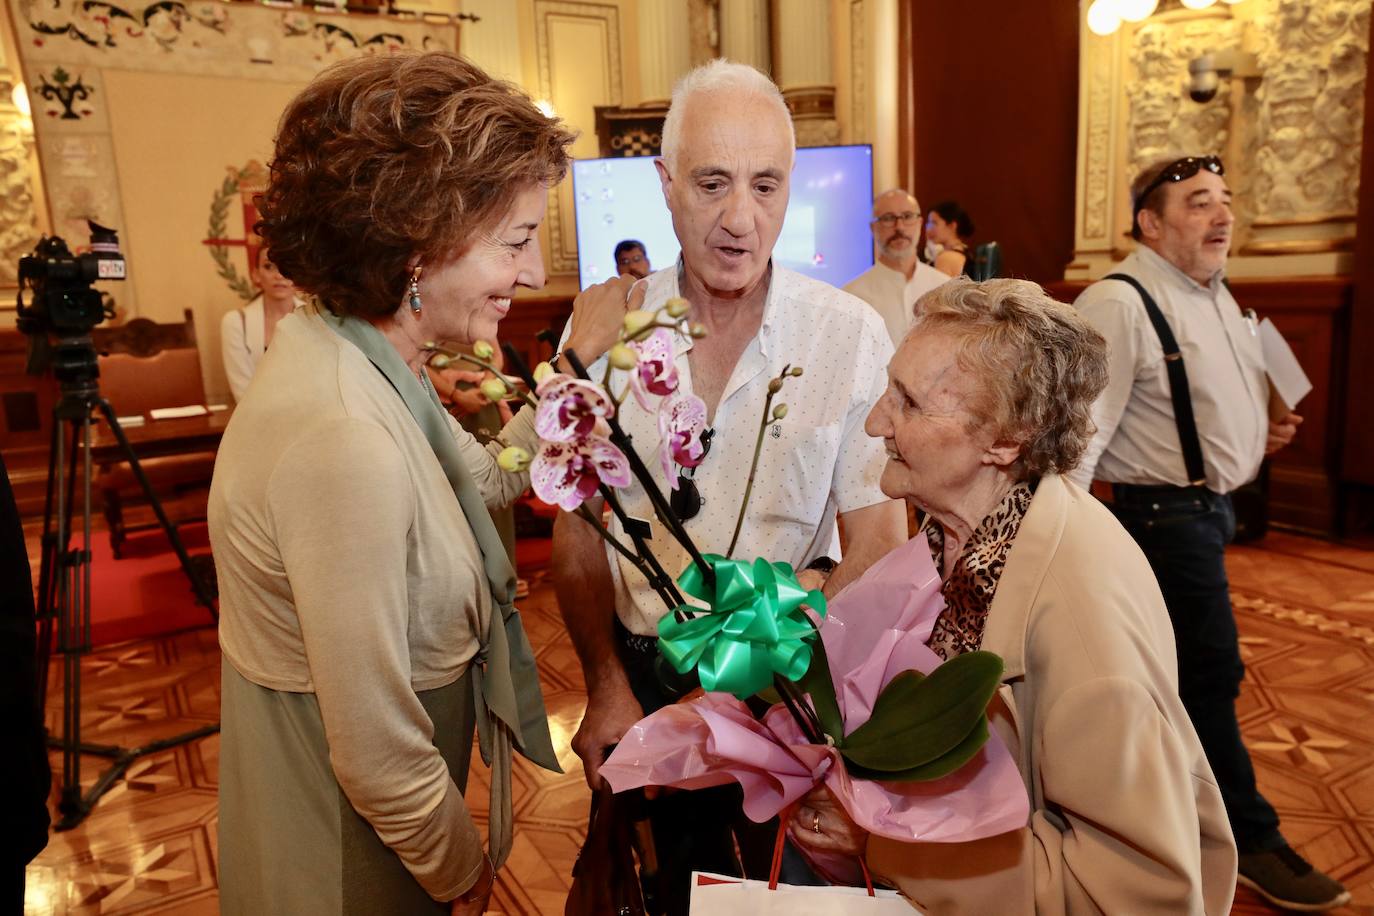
x=989 y=403
x=366 y=617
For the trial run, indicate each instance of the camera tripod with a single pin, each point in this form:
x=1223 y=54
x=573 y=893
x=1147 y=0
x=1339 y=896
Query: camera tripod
x=64 y=582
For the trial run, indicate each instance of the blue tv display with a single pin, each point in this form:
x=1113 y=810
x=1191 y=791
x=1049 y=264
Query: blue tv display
x=825 y=235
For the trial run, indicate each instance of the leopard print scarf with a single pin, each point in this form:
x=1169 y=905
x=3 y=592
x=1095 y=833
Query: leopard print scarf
x=969 y=590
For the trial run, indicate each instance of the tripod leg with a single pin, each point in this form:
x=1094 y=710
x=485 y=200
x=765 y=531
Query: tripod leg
x=197 y=584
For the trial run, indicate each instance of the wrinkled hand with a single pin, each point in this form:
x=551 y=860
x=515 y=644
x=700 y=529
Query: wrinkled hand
x=838 y=833
x=474 y=902
x=598 y=314
x=1282 y=433
x=611 y=711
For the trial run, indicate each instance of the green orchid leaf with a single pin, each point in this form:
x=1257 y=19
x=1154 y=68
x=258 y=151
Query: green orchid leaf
x=917 y=720
x=941 y=766
x=819 y=684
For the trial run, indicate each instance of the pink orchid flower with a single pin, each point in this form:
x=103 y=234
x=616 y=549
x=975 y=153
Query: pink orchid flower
x=568 y=473
x=570 y=409
x=656 y=373
x=681 y=421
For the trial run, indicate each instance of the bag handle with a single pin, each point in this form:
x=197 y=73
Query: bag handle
x=783 y=820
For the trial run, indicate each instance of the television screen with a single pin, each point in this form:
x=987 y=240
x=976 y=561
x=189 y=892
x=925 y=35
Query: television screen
x=825 y=234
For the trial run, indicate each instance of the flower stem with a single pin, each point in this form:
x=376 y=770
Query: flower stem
x=754 y=465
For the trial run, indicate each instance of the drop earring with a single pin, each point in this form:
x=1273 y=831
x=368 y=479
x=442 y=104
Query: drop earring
x=413 y=291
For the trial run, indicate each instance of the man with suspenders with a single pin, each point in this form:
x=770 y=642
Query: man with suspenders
x=1182 y=423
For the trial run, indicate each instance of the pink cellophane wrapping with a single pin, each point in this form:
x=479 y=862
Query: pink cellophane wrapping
x=875 y=629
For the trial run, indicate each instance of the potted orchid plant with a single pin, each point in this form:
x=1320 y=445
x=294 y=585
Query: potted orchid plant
x=859 y=701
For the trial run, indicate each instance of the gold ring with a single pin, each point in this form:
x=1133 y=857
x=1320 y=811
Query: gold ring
x=816 y=821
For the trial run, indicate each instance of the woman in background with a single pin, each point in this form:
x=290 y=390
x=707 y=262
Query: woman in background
x=948 y=229
x=245 y=333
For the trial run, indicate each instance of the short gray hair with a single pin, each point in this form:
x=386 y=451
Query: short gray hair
x=719 y=75
x=1041 y=366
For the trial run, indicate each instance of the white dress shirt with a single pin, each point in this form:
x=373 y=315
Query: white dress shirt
x=893 y=296
x=816 y=462
x=1137 y=440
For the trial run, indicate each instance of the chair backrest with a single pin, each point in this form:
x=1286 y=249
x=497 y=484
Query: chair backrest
x=145 y=365
x=985 y=262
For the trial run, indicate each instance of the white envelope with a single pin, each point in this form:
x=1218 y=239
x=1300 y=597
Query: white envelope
x=1287 y=381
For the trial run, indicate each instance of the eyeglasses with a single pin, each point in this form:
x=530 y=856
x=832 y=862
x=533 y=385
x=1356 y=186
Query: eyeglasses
x=891 y=219
x=1181 y=170
x=686 y=500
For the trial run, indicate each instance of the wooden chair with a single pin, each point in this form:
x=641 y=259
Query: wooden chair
x=146 y=365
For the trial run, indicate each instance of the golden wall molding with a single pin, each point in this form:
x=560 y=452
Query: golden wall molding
x=858 y=72
x=578 y=51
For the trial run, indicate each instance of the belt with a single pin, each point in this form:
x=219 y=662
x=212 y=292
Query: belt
x=1137 y=496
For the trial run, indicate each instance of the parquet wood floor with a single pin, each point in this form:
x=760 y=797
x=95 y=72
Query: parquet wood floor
x=1306 y=614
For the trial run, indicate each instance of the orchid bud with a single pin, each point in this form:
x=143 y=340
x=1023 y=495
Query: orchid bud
x=494 y=389
x=697 y=330
x=796 y=372
x=441 y=360
x=636 y=321
x=483 y=350
x=677 y=306
x=775 y=386
x=513 y=459
x=779 y=412
x=622 y=357
x=541 y=372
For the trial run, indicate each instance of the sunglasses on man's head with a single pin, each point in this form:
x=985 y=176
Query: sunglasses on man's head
x=1174 y=172
x=686 y=500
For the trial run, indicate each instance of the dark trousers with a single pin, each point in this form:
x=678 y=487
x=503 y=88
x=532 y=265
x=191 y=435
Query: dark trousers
x=1183 y=532
x=697 y=830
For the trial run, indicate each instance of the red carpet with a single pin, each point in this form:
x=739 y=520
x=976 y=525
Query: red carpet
x=145 y=593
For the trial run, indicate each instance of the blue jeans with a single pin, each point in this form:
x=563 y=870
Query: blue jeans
x=1183 y=532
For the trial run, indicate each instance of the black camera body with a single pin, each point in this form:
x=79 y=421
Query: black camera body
x=63 y=303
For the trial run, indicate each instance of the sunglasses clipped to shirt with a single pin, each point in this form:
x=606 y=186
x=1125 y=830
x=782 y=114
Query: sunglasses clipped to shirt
x=686 y=500
x=1174 y=172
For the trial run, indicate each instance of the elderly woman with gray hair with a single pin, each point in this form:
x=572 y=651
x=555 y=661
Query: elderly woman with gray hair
x=987 y=407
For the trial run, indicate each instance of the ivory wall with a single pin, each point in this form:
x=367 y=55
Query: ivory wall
x=1290 y=138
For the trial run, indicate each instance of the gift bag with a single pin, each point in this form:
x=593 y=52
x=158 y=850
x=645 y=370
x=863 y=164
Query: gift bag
x=718 y=895
x=721 y=895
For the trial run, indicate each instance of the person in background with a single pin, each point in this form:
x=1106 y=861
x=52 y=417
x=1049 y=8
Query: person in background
x=898 y=277
x=948 y=229
x=728 y=152
x=1175 y=435
x=244 y=333
x=988 y=406
x=631 y=258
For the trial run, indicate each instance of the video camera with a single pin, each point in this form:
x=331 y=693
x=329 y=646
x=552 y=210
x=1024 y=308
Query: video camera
x=63 y=303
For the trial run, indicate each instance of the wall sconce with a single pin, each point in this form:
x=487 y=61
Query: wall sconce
x=1106 y=16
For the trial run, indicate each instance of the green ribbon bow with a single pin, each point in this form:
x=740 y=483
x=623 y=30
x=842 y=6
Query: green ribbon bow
x=754 y=626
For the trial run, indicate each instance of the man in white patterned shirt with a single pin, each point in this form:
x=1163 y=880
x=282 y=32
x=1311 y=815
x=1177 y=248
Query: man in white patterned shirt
x=728 y=151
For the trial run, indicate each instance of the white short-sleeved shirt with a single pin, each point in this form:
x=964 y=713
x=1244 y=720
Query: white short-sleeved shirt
x=816 y=462
x=893 y=296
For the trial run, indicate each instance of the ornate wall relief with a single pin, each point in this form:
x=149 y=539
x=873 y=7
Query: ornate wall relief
x=1306 y=142
x=18 y=224
x=1290 y=136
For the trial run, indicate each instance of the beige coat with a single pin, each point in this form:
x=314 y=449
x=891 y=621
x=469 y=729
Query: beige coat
x=1126 y=817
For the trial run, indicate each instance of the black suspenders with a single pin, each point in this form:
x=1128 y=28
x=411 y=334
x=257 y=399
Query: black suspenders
x=1178 y=385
